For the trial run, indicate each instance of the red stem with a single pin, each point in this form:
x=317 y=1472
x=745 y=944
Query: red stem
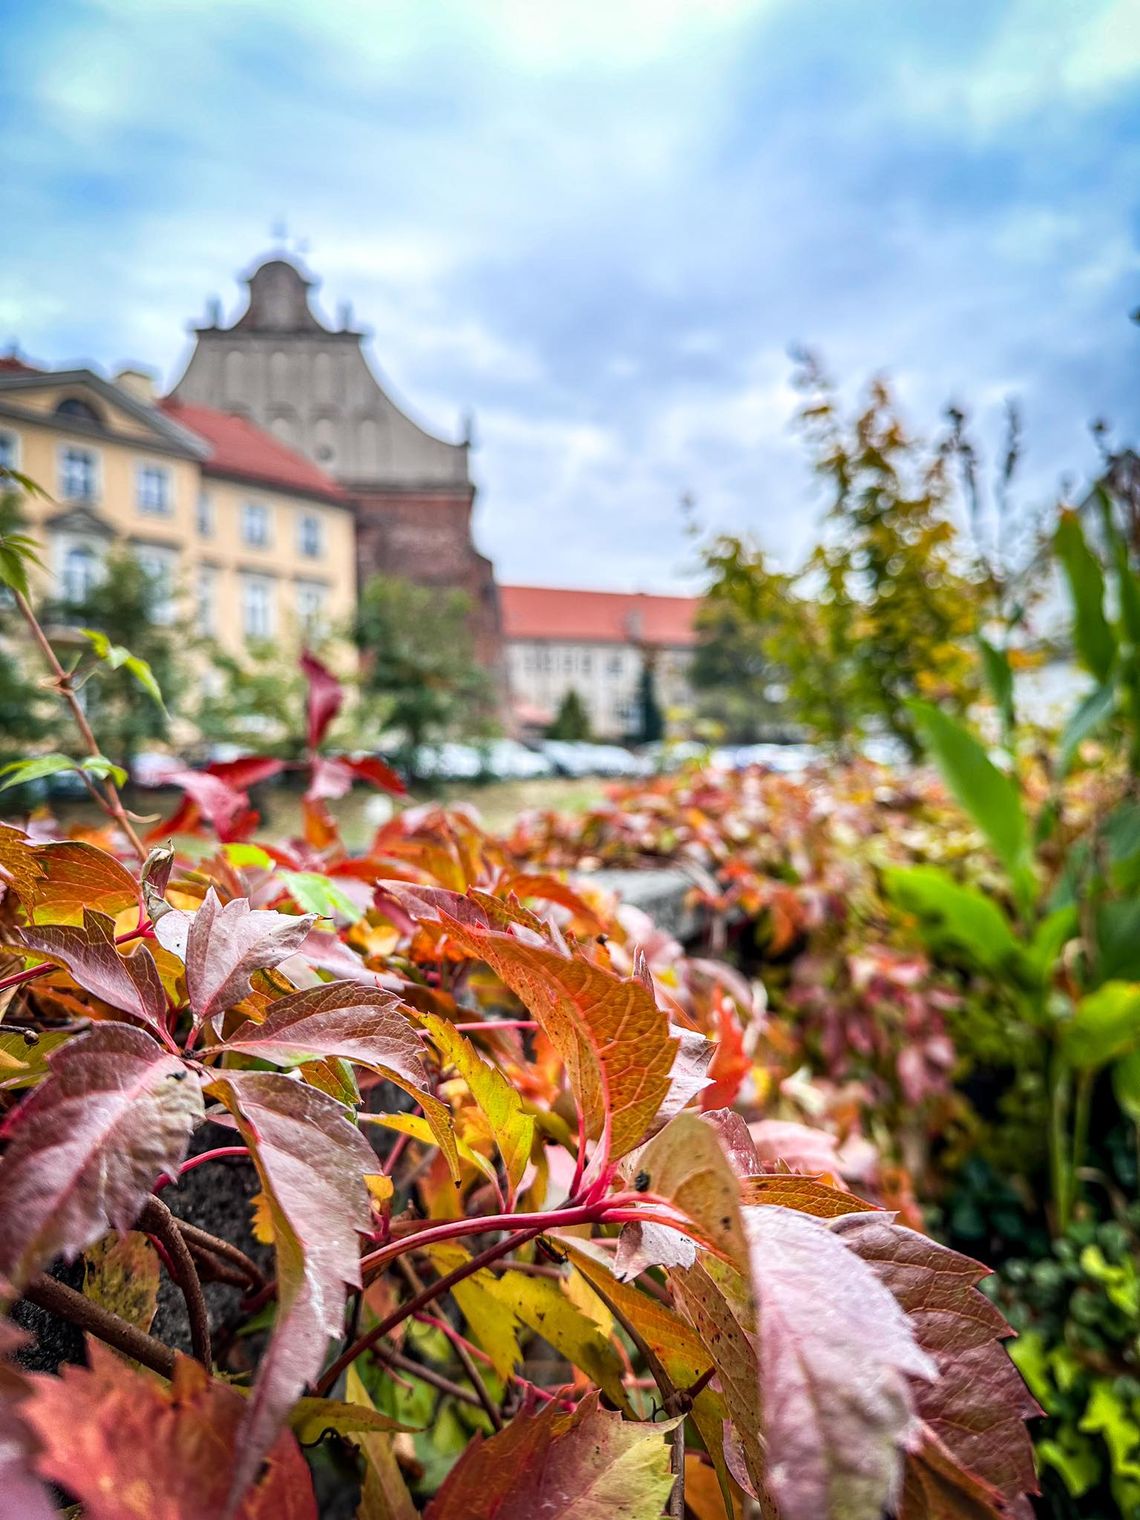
x=482 y=1026
x=33 y=973
x=223 y=1153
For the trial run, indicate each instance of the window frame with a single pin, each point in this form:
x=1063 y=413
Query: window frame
x=153 y=508
x=264 y=513
x=267 y=585
x=66 y=453
x=306 y=521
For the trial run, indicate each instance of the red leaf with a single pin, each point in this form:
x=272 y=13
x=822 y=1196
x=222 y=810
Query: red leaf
x=340 y=1019
x=731 y=1063
x=326 y=695
x=22 y=1495
x=223 y=946
x=975 y=1413
x=330 y=779
x=86 y=1146
x=129 y=982
x=131 y=1448
x=312 y=1163
x=245 y=771
x=19 y=869
x=584 y=1465
x=225 y=808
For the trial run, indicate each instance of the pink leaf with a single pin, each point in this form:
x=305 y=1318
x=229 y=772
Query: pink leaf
x=326 y=695
x=225 y=808
x=129 y=982
x=836 y=1356
x=330 y=779
x=338 y=1019
x=224 y=946
x=86 y=1146
x=312 y=1163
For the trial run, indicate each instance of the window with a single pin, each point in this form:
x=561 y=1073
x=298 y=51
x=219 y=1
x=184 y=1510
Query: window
x=257 y=606
x=255 y=524
x=587 y=662
x=80 y=572
x=309 y=535
x=205 y=612
x=9 y=451
x=153 y=490
x=159 y=565
x=310 y=608
x=614 y=664
x=72 y=406
x=205 y=515
x=78 y=474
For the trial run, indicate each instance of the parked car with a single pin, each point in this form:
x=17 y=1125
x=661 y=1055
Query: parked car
x=508 y=760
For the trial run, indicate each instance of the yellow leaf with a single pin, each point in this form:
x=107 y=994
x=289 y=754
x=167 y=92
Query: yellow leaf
x=262 y=1222
x=121 y=1273
x=492 y=1323
x=380 y=1187
x=385 y=1494
x=424 y=1131
x=542 y=1306
x=512 y=1128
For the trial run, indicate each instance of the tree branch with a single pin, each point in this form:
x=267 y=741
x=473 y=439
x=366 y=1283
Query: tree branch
x=158 y=1219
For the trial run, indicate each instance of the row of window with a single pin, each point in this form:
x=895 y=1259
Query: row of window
x=572 y=661
x=81 y=568
x=79 y=482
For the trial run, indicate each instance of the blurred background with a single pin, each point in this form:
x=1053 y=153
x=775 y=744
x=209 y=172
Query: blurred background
x=557 y=371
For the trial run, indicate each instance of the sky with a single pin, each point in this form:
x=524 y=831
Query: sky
x=600 y=228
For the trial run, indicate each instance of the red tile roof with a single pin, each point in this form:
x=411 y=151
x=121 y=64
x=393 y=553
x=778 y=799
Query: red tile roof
x=604 y=617
x=241 y=450
x=11 y=364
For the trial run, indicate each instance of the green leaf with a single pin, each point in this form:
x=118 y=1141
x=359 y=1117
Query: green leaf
x=1106 y=1024
x=999 y=678
x=318 y=894
x=1093 y=710
x=21 y=771
x=992 y=799
x=99 y=765
x=1126 y=1084
x=1118 y=940
x=1094 y=638
x=120 y=658
x=959 y=915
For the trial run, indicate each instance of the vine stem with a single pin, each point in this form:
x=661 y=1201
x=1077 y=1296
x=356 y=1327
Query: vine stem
x=158 y=1220
x=110 y=800
x=223 y=1153
x=413 y=1280
x=58 y=1298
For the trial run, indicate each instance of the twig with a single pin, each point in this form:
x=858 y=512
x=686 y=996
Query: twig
x=158 y=1219
x=427 y=1375
x=112 y=803
x=414 y=1281
x=216 y=1246
x=58 y=1298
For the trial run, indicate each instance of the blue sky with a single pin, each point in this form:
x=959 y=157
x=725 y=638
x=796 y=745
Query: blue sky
x=599 y=226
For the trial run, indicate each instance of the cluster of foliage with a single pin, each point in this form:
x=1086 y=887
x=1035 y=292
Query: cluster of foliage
x=527 y=1176
x=886 y=606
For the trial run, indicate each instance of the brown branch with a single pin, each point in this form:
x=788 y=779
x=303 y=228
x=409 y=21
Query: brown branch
x=201 y=1240
x=428 y=1375
x=109 y=800
x=158 y=1220
x=57 y=1298
x=413 y=1280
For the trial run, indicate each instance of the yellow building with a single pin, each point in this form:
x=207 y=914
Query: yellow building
x=247 y=538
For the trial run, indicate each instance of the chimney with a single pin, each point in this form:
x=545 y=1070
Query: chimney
x=138 y=384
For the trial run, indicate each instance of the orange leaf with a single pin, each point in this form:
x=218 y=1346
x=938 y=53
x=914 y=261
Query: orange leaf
x=808 y=1195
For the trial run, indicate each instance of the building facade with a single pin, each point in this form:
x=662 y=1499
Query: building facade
x=281 y=366
x=595 y=643
x=242 y=536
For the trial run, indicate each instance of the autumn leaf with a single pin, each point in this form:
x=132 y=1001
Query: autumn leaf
x=588 y=1464
x=19 y=868
x=543 y=1307
x=384 y=1494
x=512 y=1129
x=345 y=1020
x=223 y=946
x=973 y=1417
x=85 y=1147
x=331 y=779
x=22 y=1495
x=311 y=1419
x=806 y=1194
x=121 y=1273
x=130 y=983
x=131 y=1448
x=491 y=1321
x=836 y=1355
x=325 y=697
x=75 y=876
x=312 y=1163
x=224 y=805
x=608 y=1030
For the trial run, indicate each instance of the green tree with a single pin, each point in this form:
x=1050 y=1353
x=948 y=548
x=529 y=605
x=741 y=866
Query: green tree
x=650 y=719
x=255 y=699
x=572 y=721
x=890 y=580
x=24 y=709
x=127 y=604
x=419 y=676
